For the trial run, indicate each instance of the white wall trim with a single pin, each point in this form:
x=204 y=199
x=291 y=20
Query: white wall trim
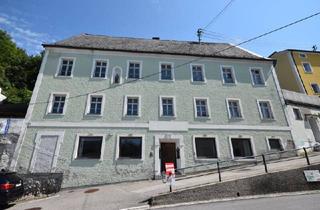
x=117 y=153
x=125 y=105
x=140 y=69
x=59 y=66
x=60 y=135
x=195 y=107
x=88 y=103
x=76 y=144
x=241 y=137
x=50 y=104
x=240 y=106
x=203 y=73
x=232 y=72
x=172 y=71
x=161 y=107
x=262 y=76
x=271 y=109
x=274 y=137
x=195 y=149
x=94 y=67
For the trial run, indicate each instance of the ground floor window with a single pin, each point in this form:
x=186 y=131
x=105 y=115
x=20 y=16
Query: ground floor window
x=241 y=147
x=130 y=147
x=275 y=144
x=205 y=148
x=89 y=147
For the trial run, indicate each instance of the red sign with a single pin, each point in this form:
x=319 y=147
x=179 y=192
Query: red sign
x=169 y=168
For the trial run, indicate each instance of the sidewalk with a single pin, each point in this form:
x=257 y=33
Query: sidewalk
x=124 y=195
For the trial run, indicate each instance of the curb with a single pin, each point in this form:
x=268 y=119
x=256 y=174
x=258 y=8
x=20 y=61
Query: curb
x=235 y=199
x=143 y=207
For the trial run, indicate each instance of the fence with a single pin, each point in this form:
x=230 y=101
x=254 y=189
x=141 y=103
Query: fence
x=244 y=162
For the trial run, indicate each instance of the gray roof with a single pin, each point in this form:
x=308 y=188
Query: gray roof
x=99 y=42
x=300 y=98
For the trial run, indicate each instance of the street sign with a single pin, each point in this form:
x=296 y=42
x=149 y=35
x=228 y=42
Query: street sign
x=312 y=175
x=169 y=168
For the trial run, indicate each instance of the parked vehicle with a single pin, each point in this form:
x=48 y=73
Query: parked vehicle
x=11 y=187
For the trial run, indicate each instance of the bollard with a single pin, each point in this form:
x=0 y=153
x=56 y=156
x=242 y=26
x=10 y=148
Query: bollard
x=264 y=163
x=218 y=167
x=306 y=155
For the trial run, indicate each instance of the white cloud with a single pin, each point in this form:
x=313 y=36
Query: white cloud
x=24 y=37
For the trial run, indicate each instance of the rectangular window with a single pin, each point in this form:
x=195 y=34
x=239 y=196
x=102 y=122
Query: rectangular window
x=205 y=148
x=89 y=147
x=167 y=107
x=228 y=76
x=265 y=110
x=307 y=67
x=134 y=70
x=66 y=67
x=297 y=114
x=197 y=73
x=302 y=55
x=100 y=69
x=257 y=77
x=241 y=148
x=95 y=105
x=202 y=108
x=275 y=144
x=58 y=103
x=130 y=147
x=132 y=106
x=166 y=71
x=315 y=88
x=234 y=109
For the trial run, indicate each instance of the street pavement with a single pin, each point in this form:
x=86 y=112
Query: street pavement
x=292 y=202
x=131 y=194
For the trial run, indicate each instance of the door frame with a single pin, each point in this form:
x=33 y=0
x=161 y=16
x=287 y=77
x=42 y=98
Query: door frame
x=167 y=138
x=60 y=135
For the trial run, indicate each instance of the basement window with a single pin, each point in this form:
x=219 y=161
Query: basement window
x=297 y=114
x=241 y=148
x=205 y=148
x=130 y=147
x=275 y=144
x=89 y=147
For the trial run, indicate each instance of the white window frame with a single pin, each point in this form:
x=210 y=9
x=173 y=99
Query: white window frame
x=125 y=106
x=274 y=137
x=294 y=115
x=50 y=104
x=313 y=89
x=240 y=106
x=271 y=109
x=232 y=72
x=305 y=69
x=94 y=67
x=113 y=73
x=59 y=66
x=60 y=135
x=261 y=73
x=161 y=107
x=88 y=104
x=195 y=107
x=172 y=71
x=76 y=145
x=130 y=135
x=140 y=69
x=195 y=149
x=242 y=137
x=203 y=73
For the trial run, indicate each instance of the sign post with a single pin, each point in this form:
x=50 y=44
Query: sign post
x=170 y=173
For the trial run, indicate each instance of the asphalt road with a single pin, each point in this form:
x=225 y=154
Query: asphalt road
x=293 y=202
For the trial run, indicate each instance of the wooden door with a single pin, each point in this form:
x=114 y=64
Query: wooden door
x=168 y=154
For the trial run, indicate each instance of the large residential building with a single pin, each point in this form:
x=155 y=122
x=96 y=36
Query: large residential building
x=298 y=70
x=108 y=109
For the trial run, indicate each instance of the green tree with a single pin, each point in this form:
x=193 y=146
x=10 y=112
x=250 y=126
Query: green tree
x=18 y=71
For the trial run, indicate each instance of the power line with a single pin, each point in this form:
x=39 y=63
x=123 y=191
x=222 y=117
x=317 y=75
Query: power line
x=219 y=14
x=193 y=60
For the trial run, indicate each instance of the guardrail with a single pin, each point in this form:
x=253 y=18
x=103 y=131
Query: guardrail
x=264 y=158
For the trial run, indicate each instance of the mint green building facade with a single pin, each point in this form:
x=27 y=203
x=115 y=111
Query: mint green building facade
x=55 y=142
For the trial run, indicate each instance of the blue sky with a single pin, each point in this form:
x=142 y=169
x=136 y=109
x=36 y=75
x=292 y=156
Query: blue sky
x=32 y=22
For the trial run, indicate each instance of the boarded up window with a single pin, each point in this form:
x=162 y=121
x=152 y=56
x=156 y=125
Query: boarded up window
x=44 y=153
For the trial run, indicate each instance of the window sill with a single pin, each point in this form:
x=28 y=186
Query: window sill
x=199 y=82
x=242 y=159
x=88 y=159
x=98 y=78
x=268 y=120
x=229 y=84
x=206 y=159
x=236 y=119
x=166 y=81
x=63 y=77
x=203 y=118
x=131 y=117
x=259 y=85
x=129 y=160
x=93 y=115
x=168 y=117
x=55 y=114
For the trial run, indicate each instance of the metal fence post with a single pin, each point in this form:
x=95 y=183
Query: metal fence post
x=218 y=166
x=264 y=163
x=306 y=155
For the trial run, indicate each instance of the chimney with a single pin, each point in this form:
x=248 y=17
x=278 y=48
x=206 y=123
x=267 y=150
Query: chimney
x=156 y=38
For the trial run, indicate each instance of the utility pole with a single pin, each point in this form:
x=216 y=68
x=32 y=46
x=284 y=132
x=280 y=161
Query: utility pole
x=199 y=34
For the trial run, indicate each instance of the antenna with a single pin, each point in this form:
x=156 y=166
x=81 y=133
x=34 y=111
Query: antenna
x=199 y=34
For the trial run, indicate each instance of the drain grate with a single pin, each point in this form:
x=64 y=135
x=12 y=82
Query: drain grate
x=91 y=190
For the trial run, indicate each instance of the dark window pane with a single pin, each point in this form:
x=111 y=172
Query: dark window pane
x=241 y=147
x=130 y=147
x=206 y=148
x=90 y=147
x=275 y=144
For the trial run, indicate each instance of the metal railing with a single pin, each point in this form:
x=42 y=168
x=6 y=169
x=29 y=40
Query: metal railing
x=233 y=164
